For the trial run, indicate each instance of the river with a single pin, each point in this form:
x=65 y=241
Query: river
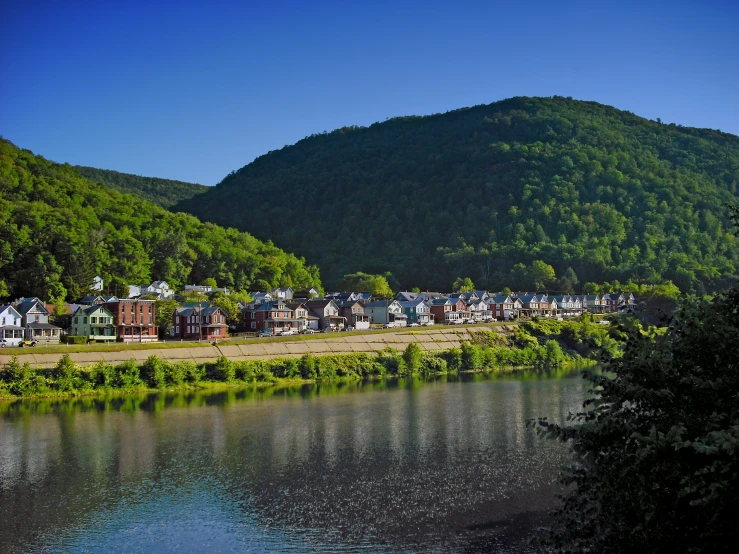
x=442 y=464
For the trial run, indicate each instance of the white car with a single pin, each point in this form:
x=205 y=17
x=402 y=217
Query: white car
x=414 y=324
x=285 y=332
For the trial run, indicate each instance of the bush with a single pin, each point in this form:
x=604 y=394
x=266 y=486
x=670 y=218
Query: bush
x=432 y=363
x=128 y=375
x=453 y=358
x=471 y=357
x=75 y=340
x=154 y=372
x=224 y=370
x=307 y=367
x=413 y=357
x=104 y=374
x=64 y=373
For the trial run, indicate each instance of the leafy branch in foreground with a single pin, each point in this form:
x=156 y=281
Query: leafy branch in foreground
x=657 y=448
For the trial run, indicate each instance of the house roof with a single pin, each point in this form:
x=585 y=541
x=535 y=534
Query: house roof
x=440 y=301
x=7 y=307
x=38 y=325
x=380 y=303
x=412 y=303
x=500 y=299
x=94 y=308
x=27 y=304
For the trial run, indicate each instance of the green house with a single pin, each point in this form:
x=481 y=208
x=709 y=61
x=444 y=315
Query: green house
x=93 y=322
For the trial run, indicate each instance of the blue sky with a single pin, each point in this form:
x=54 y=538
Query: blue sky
x=190 y=91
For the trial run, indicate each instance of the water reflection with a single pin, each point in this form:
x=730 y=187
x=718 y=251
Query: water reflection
x=443 y=463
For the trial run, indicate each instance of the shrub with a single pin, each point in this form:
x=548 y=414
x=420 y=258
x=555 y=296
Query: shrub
x=154 y=372
x=64 y=372
x=471 y=357
x=307 y=367
x=128 y=374
x=453 y=358
x=224 y=370
x=104 y=374
x=413 y=357
x=75 y=339
x=431 y=363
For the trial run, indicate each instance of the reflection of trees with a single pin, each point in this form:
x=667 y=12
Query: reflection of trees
x=430 y=453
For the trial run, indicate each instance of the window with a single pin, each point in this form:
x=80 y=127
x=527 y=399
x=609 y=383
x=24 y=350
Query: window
x=150 y=320
x=85 y=321
x=93 y=320
x=253 y=315
x=177 y=329
x=253 y=324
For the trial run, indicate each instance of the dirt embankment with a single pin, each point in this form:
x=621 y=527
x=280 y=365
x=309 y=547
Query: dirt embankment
x=438 y=338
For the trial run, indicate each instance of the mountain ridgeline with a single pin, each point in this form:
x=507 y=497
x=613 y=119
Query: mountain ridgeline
x=59 y=229
x=597 y=193
x=164 y=192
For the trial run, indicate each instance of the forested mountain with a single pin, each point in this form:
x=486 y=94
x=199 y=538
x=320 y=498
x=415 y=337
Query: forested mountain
x=597 y=193
x=58 y=230
x=164 y=192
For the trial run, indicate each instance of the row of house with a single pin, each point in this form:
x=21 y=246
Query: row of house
x=27 y=319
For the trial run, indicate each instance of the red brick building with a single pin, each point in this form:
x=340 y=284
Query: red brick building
x=200 y=322
x=135 y=319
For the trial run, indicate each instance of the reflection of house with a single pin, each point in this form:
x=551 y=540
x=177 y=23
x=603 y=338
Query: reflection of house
x=200 y=322
x=93 y=322
x=386 y=312
x=134 y=319
x=417 y=311
x=35 y=321
x=353 y=311
x=11 y=332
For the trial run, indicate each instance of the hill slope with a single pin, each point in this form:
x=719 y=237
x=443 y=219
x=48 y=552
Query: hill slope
x=58 y=230
x=164 y=192
x=475 y=191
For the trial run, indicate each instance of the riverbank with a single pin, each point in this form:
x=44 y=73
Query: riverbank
x=534 y=344
x=430 y=339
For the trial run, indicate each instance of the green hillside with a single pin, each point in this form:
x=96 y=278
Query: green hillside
x=164 y=192
x=597 y=193
x=58 y=230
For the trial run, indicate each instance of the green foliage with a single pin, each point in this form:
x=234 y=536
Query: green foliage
x=573 y=184
x=154 y=372
x=75 y=339
x=224 y=370
x=129 y=375
x=307 y=367
x=58 y=230
x=463 y=285
x=376 y=284
x=413 y=357
x=472 y=358
x=164 y=192
x=657 y=465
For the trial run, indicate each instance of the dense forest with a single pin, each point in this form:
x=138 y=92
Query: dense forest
x=58 y=230
x=498 y=191
x=164 y=192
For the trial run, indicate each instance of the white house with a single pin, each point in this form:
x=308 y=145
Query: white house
x=11 y=331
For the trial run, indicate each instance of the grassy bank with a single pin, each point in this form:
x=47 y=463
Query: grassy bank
x=129 y=346
x=542 y=344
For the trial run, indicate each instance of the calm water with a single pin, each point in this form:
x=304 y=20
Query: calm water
x=436 y=465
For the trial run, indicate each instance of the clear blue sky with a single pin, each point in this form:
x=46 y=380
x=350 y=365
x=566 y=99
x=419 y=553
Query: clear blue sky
x=191 y=92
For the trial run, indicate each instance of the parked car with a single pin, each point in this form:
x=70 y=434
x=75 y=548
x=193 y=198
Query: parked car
x=3 y=343
x=414 y=324
x=27 y=343
x=285 y=332
x=265 y=333
x=389 y=326
x=307 y=331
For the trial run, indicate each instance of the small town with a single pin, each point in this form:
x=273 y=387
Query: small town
x=282 y=311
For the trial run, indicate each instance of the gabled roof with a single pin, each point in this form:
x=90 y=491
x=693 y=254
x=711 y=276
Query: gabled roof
x=440 y=301
x=526 y=298
x=500 y=299
x=412 y=303
x=90 y=299
x=87 y=310
x=27 y=304
x=347 y=303
x=200 y=305
x=406 y=296
x=7 y=307
x=381 y=303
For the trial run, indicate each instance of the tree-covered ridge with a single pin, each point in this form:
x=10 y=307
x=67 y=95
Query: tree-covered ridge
x=58 y=230
x=474 y=192
x=164 y=192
